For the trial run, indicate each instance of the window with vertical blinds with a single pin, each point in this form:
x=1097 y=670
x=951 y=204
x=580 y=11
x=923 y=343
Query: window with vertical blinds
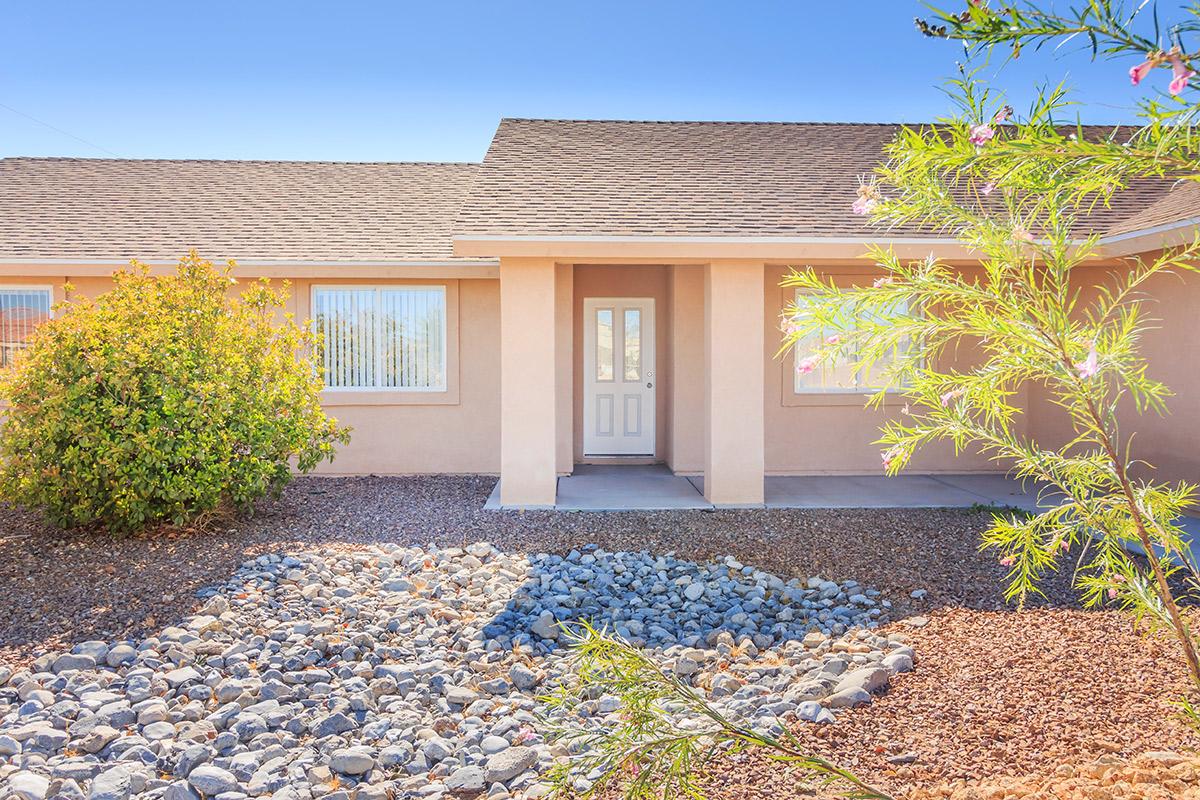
x=382 y=337
x=22 y=308
x=838 y=376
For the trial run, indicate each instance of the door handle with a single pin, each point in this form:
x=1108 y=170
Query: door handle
x=649 y=385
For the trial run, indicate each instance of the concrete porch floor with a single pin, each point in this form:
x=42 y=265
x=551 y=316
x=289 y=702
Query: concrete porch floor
x=655 y=488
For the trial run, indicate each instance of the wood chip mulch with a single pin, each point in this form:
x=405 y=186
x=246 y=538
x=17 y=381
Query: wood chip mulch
x=1154 y=775
x=1001 y=694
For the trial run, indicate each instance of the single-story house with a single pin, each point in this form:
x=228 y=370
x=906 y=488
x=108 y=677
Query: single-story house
x=592 y=291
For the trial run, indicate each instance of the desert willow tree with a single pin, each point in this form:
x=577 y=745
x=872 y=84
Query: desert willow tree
x=1149 y=44
x=667 y=733
x=962 y=347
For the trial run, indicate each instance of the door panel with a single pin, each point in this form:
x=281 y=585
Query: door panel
x=604 y=415
x=619 y=377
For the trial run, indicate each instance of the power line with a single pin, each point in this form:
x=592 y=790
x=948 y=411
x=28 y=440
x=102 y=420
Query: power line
x=59 y=130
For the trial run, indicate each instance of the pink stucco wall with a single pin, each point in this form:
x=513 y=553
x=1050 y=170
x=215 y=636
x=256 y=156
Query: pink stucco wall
x=803 y=434
x=1169 y=443
x=832 y=433
x=407 y=433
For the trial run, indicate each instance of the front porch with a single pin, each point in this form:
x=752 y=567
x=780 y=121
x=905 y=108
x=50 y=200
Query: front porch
x=677 y=365
x=592 y=487
x=660 y=363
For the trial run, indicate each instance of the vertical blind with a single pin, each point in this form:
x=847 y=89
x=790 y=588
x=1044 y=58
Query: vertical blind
x=838 y=376
x=375 y=337
x=21 y=310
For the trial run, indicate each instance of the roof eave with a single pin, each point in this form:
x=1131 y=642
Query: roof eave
x=1172 y=234
x=683 y=249
x=32 y=266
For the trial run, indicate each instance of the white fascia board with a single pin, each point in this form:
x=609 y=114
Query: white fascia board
x=860 y=240
x=1172 y=234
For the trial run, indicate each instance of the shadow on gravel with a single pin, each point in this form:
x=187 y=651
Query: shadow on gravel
x=657 y=600
x=62 y=588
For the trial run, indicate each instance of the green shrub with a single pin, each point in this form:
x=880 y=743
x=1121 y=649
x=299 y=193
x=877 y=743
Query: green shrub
x=167 y=400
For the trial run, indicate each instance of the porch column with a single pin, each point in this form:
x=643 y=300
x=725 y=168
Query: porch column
x=733 y=382
x=687 y=417
x=528 y=408
x=564 y=311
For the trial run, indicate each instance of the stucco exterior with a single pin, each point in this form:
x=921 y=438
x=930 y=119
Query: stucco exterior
x=461 y=430
x=1169 y=444
x=395 y=433
x=697 y=221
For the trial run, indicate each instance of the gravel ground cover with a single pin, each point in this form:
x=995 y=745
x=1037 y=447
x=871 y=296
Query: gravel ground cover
x=63 y=589
x=414 y=672
x=994 y=693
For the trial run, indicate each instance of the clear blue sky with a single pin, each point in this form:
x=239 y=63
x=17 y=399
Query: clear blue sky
x=428 y=81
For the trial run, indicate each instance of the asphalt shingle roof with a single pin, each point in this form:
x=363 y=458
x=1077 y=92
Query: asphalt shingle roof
x=150 y=209
x=618 y=178
x=552 y=178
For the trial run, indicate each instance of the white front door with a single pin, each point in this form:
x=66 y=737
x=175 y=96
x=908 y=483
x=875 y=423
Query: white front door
x=618 y=376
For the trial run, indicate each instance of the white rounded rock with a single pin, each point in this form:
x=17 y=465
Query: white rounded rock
x=351 y=761
x=29 y=786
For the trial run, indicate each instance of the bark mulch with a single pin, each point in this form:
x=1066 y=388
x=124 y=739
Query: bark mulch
x=1001 y=694
x=995 y=692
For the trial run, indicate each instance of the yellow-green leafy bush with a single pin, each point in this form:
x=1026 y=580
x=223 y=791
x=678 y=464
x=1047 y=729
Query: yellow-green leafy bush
x=169 y=399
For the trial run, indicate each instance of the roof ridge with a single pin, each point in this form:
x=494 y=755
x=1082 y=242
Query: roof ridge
x=751 y=122
x=698 y=121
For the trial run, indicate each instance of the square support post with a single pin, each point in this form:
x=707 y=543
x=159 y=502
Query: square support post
x=734 y=464
x=528 y=383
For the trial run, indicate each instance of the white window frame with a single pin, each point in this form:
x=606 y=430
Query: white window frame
x=27 y=288
x=439 y=288
x=820 y=390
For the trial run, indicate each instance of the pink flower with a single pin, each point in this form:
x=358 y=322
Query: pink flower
x=1138 y=73
x=950 y=395
x=1065 y=544
x=1112 y=594
x=981 y=134
x=881 y=282
x=1090 y=365
x=833 y=340
x=868 y=198
x=863 y=206
x=889 y=457
x=807 y=364
x=1007 y=561
x=1020 y=234
x=988 y=188
x=1180 y=71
